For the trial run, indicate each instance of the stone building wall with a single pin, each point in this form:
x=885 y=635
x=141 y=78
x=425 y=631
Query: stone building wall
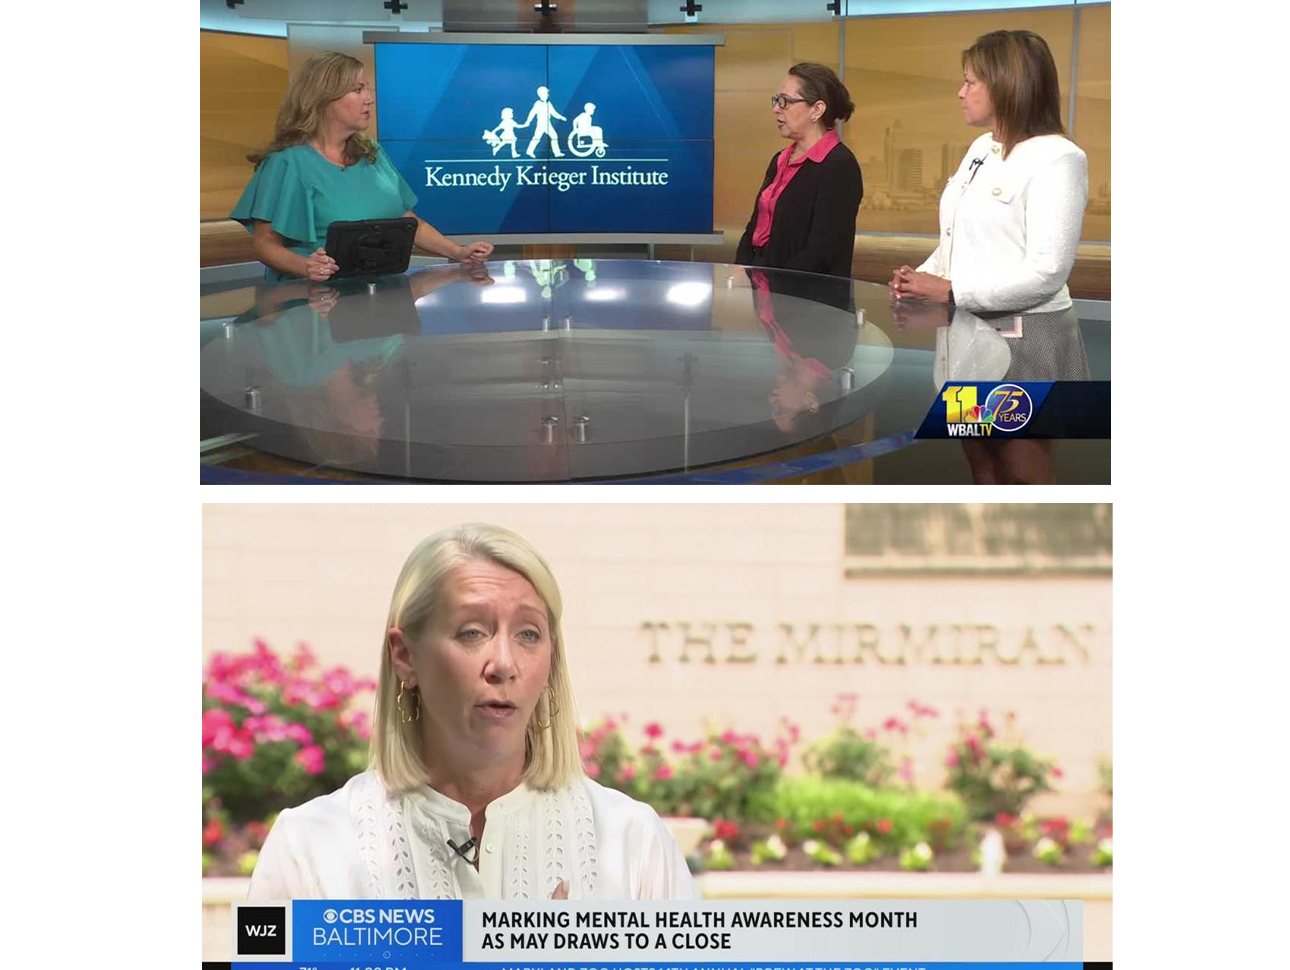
x=711 y=616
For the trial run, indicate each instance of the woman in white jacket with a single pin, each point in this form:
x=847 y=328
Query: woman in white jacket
x=1010 y=218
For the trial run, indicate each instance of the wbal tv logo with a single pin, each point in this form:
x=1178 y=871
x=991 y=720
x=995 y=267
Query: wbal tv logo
x=1007 y=407
x=261 y=931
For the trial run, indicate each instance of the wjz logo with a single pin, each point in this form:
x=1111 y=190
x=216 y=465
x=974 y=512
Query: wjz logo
x=1007 y=407
x=262 y=930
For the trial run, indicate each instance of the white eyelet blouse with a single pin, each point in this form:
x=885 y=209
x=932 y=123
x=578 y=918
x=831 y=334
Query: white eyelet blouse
x=360 y=842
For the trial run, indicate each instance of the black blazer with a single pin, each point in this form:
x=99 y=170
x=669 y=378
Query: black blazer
x=814 y=227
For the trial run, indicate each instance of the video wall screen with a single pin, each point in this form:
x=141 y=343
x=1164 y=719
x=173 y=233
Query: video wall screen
x=528 y=138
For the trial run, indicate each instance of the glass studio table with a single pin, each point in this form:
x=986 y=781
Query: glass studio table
x=564 y=370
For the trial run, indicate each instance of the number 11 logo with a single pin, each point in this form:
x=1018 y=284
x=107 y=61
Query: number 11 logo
x=960 y=404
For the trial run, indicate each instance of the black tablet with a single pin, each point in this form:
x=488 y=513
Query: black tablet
x=381 y=308
x=371 y=247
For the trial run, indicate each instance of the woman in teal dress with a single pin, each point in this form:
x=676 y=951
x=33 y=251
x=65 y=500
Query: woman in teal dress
x=321 y=168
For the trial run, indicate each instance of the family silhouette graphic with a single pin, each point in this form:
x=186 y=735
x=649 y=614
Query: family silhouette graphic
x=543 y=111
x=507 y=128
x=585 y=138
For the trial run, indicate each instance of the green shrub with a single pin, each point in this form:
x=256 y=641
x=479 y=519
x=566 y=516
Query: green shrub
x=1049 y=851
x=719 y=856
x=821 y=853
x=846 y=753
x=916 y=858
x=860 y=849
x=1081 y=832
x=771 y=849
x=1102 y=855
x=894 y=817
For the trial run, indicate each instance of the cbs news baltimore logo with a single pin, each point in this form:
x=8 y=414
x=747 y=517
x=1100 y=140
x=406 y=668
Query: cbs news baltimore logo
x=1004 y=407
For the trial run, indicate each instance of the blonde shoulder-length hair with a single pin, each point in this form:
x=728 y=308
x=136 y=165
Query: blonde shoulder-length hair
x=321 y=80
x=551 y=758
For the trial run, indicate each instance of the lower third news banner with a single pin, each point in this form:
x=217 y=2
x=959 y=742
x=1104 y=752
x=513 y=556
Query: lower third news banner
x=574 y=935
x=996 y=410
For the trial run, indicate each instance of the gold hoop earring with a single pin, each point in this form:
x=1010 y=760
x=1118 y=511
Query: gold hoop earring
x=413 y=699
x=552 y=708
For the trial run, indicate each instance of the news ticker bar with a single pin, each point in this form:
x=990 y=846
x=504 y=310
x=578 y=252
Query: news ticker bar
x=733 y=935
x=999 y=410
x=853 y=965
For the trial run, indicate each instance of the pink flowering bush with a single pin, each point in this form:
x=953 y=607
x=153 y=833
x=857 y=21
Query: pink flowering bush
x=868 y=756
x=605 y=754
x=275 y=734
x=719 y=777
x=995 y=774
x=847 y=753
x=713 y=778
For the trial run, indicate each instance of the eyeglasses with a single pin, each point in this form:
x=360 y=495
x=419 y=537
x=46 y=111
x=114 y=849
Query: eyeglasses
x=782 y=101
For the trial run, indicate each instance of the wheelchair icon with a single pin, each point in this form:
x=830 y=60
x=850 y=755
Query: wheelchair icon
x=586 y=138
x=582 y=143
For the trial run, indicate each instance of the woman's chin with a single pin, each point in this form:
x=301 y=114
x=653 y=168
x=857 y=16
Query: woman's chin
x=501 y=736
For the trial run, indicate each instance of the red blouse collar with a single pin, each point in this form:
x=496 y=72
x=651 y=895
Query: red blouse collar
x=818 y=150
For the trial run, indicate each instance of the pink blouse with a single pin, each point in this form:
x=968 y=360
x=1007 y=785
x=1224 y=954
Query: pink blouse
x=783 y=175
x=784 y=345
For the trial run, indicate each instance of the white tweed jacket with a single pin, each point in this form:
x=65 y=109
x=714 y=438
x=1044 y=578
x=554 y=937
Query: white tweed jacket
x=1010 y=228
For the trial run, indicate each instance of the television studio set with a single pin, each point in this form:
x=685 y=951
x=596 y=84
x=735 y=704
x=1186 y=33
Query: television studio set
x=655 y=241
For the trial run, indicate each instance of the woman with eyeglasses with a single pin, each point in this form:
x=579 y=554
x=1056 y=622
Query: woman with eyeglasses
x=321 y=168
x=804 y=217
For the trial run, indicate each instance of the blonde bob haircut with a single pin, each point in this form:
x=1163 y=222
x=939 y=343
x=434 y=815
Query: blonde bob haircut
x=321 y=80
x=551 y=758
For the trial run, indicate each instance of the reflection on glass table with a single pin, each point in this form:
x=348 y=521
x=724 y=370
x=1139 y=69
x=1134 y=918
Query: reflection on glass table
x=1003 y=347
x=561 y=370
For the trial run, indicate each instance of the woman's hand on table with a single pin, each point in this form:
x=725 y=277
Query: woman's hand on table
x=919 y=314
x=320 y=266
x=476 y=273
x=475 y=252
x=322 y=298
x=908 y=283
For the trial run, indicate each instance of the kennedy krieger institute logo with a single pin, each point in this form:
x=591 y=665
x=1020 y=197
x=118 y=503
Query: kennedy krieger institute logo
x=584 y=140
